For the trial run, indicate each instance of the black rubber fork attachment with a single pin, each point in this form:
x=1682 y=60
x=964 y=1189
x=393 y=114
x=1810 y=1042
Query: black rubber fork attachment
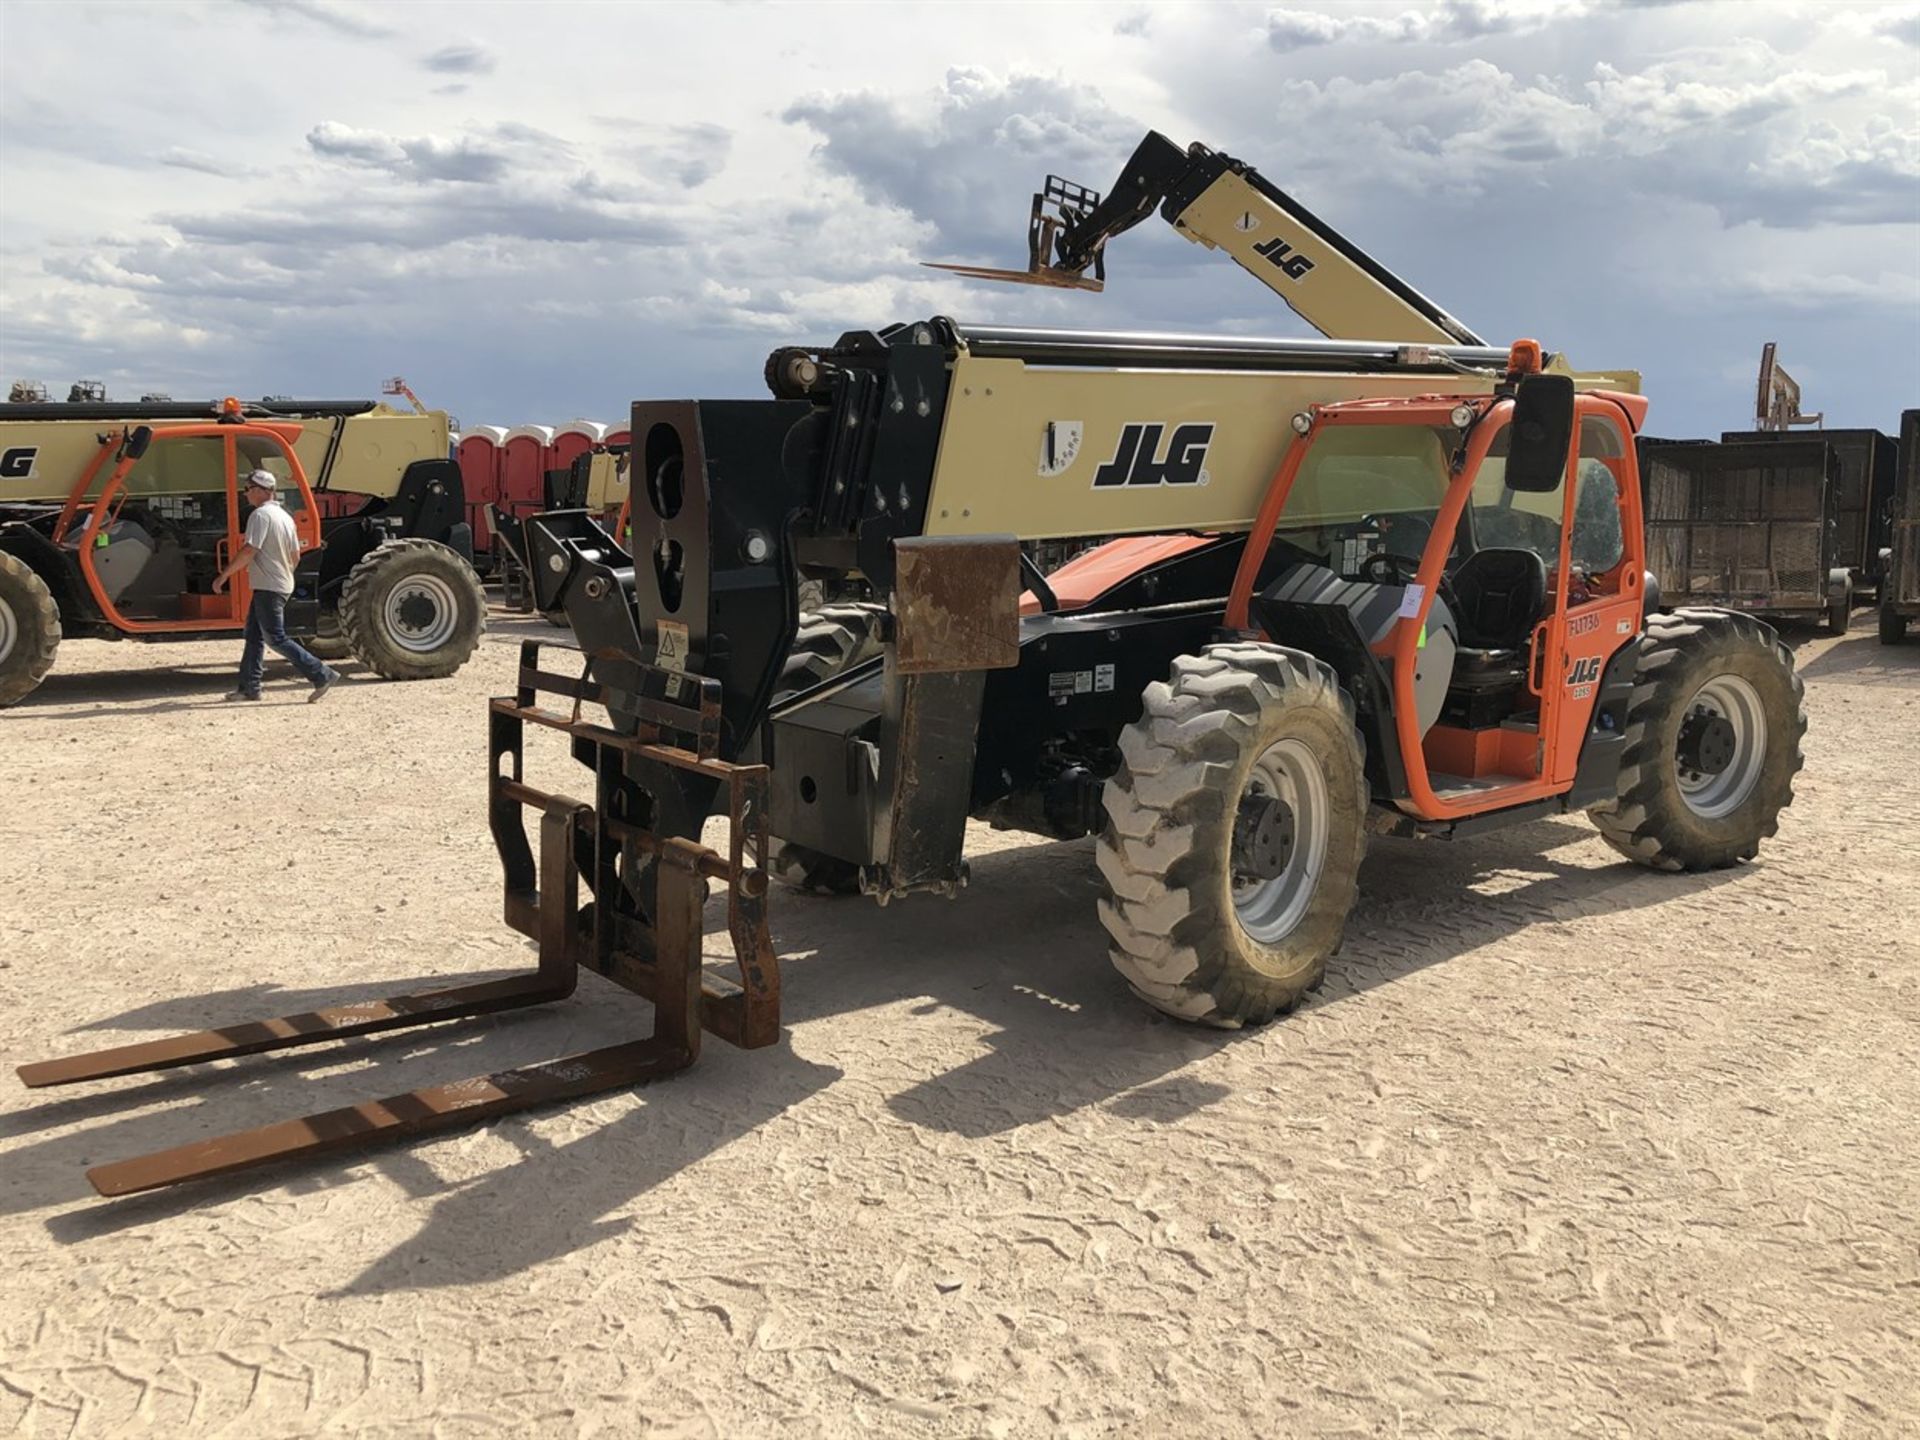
x=674 y=984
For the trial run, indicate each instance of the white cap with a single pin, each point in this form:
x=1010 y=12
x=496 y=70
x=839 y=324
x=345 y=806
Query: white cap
x=263 y=478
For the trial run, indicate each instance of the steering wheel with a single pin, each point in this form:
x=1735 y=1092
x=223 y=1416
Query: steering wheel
x=1383 y=567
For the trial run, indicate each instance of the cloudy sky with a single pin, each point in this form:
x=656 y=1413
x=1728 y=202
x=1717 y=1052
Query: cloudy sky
x=536 y=212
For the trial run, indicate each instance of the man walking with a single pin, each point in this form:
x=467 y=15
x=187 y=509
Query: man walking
x=271 y=551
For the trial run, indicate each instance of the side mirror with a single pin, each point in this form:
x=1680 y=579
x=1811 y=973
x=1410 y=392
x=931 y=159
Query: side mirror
x=1541 y=433
x=137 y=442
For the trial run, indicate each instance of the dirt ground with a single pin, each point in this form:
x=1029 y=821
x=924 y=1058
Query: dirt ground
x=1562 y=1147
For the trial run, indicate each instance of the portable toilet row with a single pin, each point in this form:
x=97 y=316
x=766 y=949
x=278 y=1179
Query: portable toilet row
x=509 y=468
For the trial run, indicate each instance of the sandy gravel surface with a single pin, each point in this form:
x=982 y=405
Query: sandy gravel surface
x=1562 y=1147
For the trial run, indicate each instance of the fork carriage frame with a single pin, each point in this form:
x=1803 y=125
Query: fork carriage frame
x=642 y=930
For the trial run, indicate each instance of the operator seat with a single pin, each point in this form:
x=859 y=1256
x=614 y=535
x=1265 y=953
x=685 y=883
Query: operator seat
x=1501 y=595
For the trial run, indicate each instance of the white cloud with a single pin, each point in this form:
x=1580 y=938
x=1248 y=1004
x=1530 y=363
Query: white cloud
x=182 y=158
x=1905 y=27
x=964 y=164
x=343 y=19
x=1448 y=22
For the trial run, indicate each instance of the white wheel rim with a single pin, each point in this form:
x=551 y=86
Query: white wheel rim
x=421 y=613
x=1712 y=797
x=1269 y=910
x=9 y=629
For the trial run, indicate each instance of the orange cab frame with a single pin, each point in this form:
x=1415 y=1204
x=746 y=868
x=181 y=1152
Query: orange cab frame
x=1583 y=636
x=104 y=508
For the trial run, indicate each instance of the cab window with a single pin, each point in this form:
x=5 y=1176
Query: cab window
x=1376 y=485
x=256 y=453
x=178 y=483
x=1531 y=520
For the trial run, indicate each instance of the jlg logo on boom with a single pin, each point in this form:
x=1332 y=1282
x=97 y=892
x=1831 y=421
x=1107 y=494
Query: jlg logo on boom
x=1138 y=460
x=17 y=463
x=1289 y=261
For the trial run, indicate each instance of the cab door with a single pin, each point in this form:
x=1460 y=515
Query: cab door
x=271 y=448
x=1599 y=585
x=1580 y=529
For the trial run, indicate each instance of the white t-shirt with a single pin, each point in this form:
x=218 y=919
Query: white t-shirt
x=276 y=547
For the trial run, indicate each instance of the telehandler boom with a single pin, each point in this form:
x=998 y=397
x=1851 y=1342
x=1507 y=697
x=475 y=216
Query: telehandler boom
x=1225 y=204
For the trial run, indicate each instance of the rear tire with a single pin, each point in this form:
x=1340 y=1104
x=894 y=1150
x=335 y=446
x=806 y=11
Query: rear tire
x=413 y=610
x=1193 y=932
x=828 y=641
x=29 y=629
x=1840 y=614
x=1694 y=666
x=327 y=642
x=1893 y=625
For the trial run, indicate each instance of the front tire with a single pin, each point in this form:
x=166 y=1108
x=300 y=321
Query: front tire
x=1893 y=625
x=1840 y=614
x=327 y=642
x=1223 y=906
x=1713 y=743
x=29 y=629
x=412 y=610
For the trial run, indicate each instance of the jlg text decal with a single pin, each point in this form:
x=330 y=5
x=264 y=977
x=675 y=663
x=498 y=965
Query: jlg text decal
x=1283 y=257
x=1138 y=459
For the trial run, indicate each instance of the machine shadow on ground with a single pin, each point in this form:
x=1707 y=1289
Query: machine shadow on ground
x=112 y=694
x=1859 y=655
x=166 y=688
x=1061 y=1032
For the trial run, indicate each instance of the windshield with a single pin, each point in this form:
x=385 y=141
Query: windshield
x=1354 y=471
x=1364 y=488
x=1367 y=490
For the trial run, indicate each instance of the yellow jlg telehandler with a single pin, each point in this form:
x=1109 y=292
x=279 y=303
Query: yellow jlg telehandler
x=1372 y=586
x=116 y=517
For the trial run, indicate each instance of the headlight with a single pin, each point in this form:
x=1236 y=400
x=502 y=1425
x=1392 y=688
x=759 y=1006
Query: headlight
x=1302 y=423
x=1463 y=416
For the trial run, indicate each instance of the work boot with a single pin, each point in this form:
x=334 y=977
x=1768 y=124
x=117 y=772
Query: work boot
x=242 y=695
x=331 y=679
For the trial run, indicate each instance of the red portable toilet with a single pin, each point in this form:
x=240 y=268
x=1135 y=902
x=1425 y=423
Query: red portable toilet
x=477 y=452
x=574 y=439
x=524 y=462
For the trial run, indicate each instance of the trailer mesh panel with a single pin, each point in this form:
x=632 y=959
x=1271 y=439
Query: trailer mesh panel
x=1864 y=485
x=1739 y=523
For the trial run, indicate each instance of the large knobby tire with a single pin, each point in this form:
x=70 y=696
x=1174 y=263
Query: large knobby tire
x=1211 y=926
x=413 y=610
x=1893 y=625
x=29 y=629
x=829 y=640
x=1713 y=742
x=327 y=642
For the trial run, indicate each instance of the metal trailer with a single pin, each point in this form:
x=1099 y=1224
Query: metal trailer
x=1867 y=460
x=1747 y=527
x=1900 y=576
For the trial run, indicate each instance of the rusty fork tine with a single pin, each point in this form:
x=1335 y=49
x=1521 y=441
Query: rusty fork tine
x=337 y=1022
x=417 y=1112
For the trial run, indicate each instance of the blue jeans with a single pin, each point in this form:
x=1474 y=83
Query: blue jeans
x=267 y=625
